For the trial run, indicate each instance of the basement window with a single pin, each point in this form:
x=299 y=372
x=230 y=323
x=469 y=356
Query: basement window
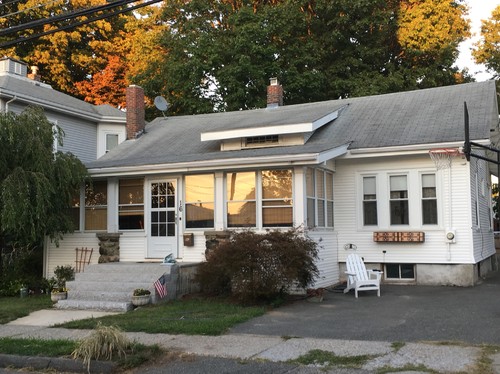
x=400 y=271
x=261 y=140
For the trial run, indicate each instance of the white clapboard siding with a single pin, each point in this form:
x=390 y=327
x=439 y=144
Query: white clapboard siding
x=195 y=253
x=435 y=249
x=327 y=264
x=133 y=246
x=480 y=191
x=65 y=253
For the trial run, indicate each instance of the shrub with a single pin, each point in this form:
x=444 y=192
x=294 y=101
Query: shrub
x=63 y=274
x=102 y=344
x=256 y=267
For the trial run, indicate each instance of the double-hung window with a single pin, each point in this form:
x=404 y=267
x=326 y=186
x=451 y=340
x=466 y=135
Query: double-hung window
x=96 y=206
x=399 y=200
x=319 y=191
x=429 y=200
x=241 y=199
x=277 y=198
x=370 y=216
x=261 y=199
x=131 y=204
x=199 y=205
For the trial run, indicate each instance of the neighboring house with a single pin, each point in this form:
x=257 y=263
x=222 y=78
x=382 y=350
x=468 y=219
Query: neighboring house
x=355 y=172
x=90 y=130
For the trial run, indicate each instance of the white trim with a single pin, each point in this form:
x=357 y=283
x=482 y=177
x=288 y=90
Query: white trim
x=222 y=164
x=270 y=130
x=407 y=149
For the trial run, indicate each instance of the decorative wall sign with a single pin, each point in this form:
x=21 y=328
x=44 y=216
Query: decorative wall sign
x=399 y=236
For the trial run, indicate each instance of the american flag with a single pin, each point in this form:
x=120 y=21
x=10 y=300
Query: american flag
x=161 y=286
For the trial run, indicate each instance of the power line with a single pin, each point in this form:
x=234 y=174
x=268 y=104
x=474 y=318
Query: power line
x=28 y=9
x=76 y=24
x=64 y=17
x=11 y=3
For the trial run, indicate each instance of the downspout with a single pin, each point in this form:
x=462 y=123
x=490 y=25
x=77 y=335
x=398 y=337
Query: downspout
x=14 y=98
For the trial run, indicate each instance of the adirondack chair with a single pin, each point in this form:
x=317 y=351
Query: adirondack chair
x=360 y=279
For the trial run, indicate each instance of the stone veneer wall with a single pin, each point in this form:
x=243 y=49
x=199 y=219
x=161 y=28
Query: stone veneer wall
x=109 y=247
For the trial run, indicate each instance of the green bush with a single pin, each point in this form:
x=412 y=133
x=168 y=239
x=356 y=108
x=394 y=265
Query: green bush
x=260 y=267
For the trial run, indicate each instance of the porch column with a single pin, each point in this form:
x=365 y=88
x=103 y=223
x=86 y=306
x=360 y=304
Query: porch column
x=109 y=247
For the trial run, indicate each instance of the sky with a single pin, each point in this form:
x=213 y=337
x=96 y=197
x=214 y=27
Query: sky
x=479 y=9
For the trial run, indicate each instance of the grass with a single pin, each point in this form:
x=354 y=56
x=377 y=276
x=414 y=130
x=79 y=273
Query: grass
x=12 y=308
x=327 y=360
x=190 y=317
x=136 y=355
x=37 y=347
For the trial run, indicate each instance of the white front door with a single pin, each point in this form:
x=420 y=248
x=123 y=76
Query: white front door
x=162 y=228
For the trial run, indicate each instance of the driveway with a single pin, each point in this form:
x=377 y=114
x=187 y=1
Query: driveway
x=402 y=313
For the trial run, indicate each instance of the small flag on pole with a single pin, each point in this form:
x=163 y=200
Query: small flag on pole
x=161 y=286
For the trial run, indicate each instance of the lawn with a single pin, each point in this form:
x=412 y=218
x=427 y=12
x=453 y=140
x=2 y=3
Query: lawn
x=190 y=317
x=12 y=308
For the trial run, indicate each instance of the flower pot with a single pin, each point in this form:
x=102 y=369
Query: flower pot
x=56 y=296
x=140 y=300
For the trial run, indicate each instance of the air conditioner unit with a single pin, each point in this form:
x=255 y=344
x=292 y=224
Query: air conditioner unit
x=450 y=236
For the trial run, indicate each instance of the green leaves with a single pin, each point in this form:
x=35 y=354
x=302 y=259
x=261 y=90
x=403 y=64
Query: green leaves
x=36 y=184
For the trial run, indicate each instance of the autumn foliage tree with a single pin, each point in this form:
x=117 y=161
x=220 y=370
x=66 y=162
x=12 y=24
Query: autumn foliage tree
x=487 y=50
x=106 y=86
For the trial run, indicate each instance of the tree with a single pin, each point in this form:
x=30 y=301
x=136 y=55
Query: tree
x=66 y=57
x=219 y=55
x=487 y=50
x=36 y=184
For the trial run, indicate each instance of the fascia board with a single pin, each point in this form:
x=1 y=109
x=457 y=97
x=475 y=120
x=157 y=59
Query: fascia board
x=226 y=164
x=406 y=150
x=89 y=115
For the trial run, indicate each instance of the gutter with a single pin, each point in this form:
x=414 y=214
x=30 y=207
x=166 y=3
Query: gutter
x=408 y=149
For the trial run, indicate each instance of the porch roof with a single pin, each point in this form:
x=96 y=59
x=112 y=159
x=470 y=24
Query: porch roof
x=426 y=116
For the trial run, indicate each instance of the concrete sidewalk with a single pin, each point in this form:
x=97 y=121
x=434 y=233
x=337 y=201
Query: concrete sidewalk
x=440 y=358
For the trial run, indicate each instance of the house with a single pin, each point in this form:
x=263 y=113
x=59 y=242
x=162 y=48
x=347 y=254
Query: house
x=90 y=130
x=355 y=172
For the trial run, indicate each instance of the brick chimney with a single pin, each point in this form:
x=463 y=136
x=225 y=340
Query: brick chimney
x=34 y=74
x=274 y=94
x=136 y=121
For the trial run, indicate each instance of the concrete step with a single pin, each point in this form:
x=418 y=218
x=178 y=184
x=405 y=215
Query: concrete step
x=100 y=296
x=110 y=286
x=100 y=286
x=110 y=306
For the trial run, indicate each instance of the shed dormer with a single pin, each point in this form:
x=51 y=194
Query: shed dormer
x=275 y=130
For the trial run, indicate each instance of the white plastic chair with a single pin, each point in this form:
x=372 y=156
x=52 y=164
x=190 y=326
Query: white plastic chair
x=360 y=279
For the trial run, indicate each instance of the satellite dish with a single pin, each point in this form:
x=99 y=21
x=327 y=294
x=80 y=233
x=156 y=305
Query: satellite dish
x=161 y=104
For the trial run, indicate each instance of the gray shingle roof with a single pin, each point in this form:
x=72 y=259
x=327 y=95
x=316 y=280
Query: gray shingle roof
x=416 y=117
x=33 y=92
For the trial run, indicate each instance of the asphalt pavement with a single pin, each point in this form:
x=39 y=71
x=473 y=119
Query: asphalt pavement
x=413 y=329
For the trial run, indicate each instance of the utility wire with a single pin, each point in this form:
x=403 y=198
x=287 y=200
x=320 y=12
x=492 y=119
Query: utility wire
x=11 y=3
x=28 y=9
x=76 y=24
x=64 y=16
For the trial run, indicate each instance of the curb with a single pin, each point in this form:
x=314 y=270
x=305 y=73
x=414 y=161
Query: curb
x=55 y=363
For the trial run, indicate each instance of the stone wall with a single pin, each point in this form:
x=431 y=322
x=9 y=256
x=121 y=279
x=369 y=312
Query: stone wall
x=109 y=247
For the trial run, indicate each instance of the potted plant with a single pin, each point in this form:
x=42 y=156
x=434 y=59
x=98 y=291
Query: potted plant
x=62 y=274
x=315 y=295
x=141 y=296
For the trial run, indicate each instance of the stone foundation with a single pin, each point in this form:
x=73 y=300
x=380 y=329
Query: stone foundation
x=109 y=247
x=214 y=238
